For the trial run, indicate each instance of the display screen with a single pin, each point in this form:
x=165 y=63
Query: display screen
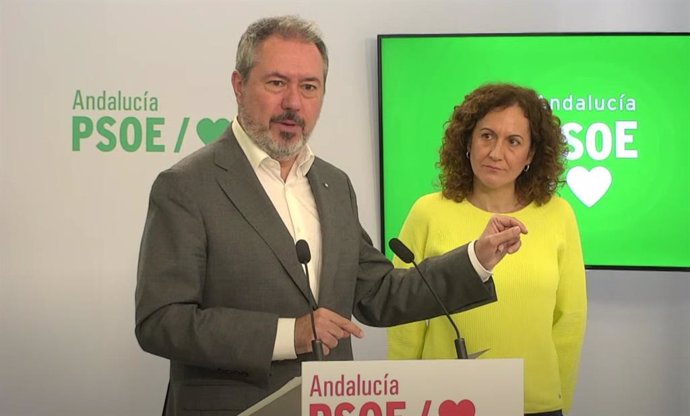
x=624 y=104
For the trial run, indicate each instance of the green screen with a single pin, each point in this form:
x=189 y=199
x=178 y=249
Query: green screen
x=623 y=100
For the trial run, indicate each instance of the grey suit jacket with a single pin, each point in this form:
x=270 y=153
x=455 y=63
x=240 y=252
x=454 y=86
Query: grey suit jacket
x=218 y=267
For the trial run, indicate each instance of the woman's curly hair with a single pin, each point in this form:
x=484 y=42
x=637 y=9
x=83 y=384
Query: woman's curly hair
x=548 y=144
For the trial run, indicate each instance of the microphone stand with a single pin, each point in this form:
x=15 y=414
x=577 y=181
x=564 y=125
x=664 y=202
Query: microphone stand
x=304 y=255
x=407 y=256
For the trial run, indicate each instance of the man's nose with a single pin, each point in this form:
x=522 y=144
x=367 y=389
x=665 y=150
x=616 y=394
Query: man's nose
x=292 y=100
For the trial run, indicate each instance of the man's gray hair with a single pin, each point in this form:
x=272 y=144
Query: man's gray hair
x=286 y=27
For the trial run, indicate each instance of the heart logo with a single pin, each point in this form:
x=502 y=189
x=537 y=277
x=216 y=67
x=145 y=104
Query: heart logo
x=589 y=185
x=209 y=130
x=461 y=408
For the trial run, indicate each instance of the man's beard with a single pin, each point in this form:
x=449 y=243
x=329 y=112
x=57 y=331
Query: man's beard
x=278 y=150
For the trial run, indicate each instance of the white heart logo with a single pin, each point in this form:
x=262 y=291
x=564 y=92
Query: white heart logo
x=589 y=186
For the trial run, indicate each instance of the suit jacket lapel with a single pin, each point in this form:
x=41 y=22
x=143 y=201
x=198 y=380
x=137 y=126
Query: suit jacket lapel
x=239 y=182
x=328 y=209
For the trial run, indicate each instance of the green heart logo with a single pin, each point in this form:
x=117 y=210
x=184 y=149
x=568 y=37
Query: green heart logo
x=209 y=130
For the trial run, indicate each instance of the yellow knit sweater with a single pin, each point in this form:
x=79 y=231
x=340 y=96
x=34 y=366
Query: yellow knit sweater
x=541 y=311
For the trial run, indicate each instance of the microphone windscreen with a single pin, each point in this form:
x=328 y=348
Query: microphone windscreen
x=303 y=253
x=401 y=250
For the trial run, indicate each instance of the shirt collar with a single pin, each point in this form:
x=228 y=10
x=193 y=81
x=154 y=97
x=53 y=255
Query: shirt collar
x=256 y=156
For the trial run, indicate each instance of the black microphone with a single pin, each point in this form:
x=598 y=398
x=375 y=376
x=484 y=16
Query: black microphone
x=407 y=256
x=304 y=256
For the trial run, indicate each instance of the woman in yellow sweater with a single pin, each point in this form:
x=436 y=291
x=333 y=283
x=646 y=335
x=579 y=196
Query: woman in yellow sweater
x=503 y=152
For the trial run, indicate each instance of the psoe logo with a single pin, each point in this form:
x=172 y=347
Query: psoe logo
x=598 y=140
x=589 y=186
x=111 y=121
x=463 y=407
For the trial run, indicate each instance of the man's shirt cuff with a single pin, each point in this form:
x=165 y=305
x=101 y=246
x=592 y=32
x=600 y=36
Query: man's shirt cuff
x=284 y=347
x=481 y=271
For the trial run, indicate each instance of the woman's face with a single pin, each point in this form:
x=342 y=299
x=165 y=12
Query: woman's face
x=500 y=149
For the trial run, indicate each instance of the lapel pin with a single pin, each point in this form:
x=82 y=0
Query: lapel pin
x=325 y=185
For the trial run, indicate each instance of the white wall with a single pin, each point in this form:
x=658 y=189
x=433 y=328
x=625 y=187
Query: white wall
x=71 y=221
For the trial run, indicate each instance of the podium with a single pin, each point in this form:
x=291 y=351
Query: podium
x=406 y=387
x=285 y=401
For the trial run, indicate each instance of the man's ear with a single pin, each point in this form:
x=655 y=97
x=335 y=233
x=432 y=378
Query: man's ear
x=237 y=84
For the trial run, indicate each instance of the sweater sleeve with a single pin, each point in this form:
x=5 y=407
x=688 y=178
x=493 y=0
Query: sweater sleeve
x=406 y=342
x=570 y=313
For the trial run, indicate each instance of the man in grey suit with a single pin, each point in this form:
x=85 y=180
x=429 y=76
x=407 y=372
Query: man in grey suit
x=220 y=291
